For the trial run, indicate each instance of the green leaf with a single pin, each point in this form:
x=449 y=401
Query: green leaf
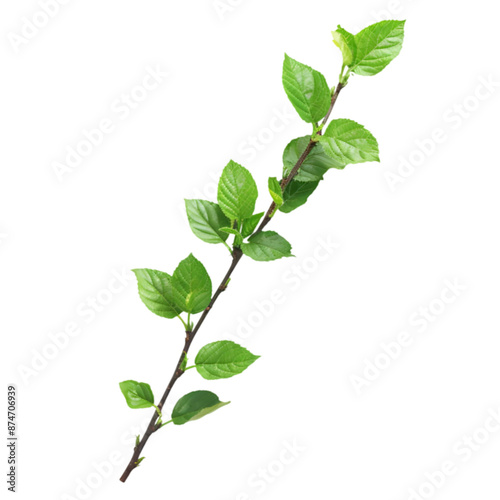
x=376 y=46
x=275 y=191
x=238 y=237
x=195 y=405
x=307 y=90
x=206 y=219
x=349 y=142
x=266 y=246
x=315 y=165
x=296 y=194
x=346 y=43
x=249 y=225
x=237 y=192
x=191 y=285
x=155 y=290
x=137 y=394
x=223 y=359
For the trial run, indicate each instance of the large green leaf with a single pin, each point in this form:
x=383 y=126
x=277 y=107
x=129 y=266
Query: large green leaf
x=191 y=285
x=237 y=192
x=266 y=246
x=314 y=166
x=155 y=290
x=206 y=219
x=307 y=90
x=195 y=405
x=296 y=194
x=223 y=359
x=137 y=394
x=376 y=46
x=349 y=142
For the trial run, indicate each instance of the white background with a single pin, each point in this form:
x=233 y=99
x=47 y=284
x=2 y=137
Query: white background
x=62 y=241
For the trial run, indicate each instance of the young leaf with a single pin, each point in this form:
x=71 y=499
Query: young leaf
x=223 y=359
x=206 y=219
x=314 y=166
x=307 y=90
x=195 y=405
x=275 y=191
x=349 y=142
x=184 y=363
x=155 y=290
x=346 y=43
x=296 y=194
x=266 y=246
x=237 y=192
x=191 y=285
x=238 y=237
x=249 y=225
x=137 y=394
x=376 y=46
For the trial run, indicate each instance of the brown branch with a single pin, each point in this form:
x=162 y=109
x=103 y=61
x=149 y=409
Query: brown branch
x=237 y=254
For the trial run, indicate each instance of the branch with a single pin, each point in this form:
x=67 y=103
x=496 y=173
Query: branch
x=237 y=254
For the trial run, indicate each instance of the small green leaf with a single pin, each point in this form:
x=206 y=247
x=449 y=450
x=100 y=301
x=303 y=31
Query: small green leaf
x=307 y=90
x=137 y=394
x=194 y=406
x=346 y=43
x=137 y=439
x=206 y=219
x=223 y=359
x=296 y=194
x=266 y=246
x=139 y=461
x=349 y=142
x=314 y=166
x=155 y=290
x=275 y=191
x=238 y=237
x=237 y=192
x=192 y=286
x=376 y=46
x=249 y=225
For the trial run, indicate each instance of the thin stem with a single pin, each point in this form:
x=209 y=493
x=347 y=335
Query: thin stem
x=236 y=254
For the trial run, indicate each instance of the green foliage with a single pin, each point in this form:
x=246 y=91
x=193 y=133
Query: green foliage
x=296 y=194
x=307 y=90
x=194 y=406
x=275 y=191
x=266 y=246
x=349 y=142
x=237 y=192
x=155 y=290
x=223 y=359
x=333 y=146
x=372 y=49
x=206 y=220
x=137 y=394
x=314 y=166
x=192 y=285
